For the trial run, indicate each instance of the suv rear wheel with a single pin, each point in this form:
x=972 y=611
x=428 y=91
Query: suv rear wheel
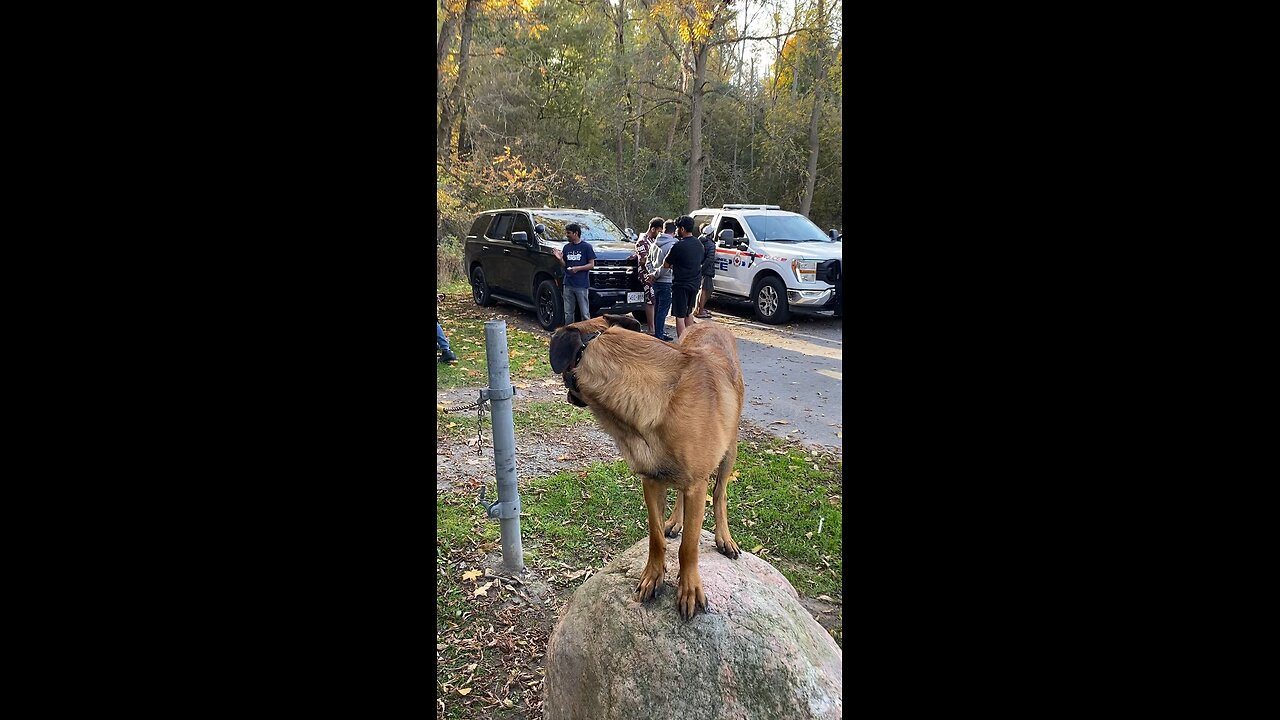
x=770 y=301
x=480 y=289
x=550 y=308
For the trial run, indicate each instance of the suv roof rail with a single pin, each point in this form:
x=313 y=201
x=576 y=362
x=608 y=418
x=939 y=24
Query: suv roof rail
x=752 y=207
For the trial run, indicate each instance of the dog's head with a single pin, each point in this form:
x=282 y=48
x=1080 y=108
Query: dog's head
x=567 y=344
x=568 y=339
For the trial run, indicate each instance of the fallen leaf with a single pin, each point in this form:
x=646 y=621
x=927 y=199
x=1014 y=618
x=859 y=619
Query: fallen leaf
x=780 y=422
x=471 y=575
x=757 y=548
x=472 y=666
x=483 y=590
x=825 y=597
x=507 y=702
x=463 y=691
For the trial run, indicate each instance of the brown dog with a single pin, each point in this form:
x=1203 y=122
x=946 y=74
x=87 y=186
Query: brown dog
x=673 y=412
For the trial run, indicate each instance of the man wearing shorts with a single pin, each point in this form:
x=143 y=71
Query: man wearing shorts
x=686 y=267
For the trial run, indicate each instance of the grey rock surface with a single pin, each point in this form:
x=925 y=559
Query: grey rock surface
x=757 y=654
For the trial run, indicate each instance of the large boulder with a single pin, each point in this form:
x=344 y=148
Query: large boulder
x=755 y=654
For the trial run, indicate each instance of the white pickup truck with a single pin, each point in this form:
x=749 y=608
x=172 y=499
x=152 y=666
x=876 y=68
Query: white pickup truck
x=779 y=260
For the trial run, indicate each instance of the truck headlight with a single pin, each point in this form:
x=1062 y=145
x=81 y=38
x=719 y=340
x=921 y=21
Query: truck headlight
x=805 y=270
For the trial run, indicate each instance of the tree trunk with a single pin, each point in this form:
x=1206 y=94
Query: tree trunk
x=464 y=141
x=444 y=130
x=619 y=47
x=819 y=90
x=697 y=160
x=675 y=116
x=442 y=48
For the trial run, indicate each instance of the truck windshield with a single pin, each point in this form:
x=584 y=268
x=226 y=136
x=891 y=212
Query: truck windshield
x=595 y=227
x=785 y=228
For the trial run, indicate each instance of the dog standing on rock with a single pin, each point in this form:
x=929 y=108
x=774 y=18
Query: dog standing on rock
x=675 y=421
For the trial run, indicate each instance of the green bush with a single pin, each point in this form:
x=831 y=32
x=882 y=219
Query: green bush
x=449 y=261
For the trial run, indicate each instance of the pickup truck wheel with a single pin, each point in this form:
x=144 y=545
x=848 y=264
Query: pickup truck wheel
x=770 y=301
x=480 y=288
x=550 y=308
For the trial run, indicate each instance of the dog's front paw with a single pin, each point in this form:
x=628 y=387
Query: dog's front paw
x=689 y=597
x=726 y=546
x=672 y=528
x=650 y=582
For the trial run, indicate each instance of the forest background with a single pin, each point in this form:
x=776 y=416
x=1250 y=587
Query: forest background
x=607 y=103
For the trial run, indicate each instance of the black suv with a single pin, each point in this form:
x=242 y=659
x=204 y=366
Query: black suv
x=508 y=257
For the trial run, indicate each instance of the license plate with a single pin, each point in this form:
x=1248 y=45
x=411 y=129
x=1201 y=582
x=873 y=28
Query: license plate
x=635 y=297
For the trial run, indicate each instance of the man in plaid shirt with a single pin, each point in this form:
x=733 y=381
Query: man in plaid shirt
x=644 y=246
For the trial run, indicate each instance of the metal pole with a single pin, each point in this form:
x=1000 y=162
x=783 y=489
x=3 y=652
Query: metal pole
x=504 y=443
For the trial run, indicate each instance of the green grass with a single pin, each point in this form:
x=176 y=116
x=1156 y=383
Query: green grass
x=527 y=354
x=463 y=323
x=542 y=415
x=775 y=505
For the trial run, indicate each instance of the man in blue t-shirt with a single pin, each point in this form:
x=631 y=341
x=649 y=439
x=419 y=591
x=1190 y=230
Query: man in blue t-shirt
x=578 y=258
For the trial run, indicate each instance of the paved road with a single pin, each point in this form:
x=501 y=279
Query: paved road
x=792 y=372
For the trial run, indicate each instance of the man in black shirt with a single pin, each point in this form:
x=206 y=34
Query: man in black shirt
x=686 y=266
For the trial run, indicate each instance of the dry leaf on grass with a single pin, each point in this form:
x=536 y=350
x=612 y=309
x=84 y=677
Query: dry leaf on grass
x=471 y=574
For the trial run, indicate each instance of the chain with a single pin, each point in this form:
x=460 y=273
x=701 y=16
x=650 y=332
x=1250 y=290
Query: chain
x=479 y=406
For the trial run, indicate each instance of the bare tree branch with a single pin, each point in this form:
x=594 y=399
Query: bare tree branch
x=677 y=91
x=646 y=112
x=765 y=37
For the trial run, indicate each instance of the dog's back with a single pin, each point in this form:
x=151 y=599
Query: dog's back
x=705 y=408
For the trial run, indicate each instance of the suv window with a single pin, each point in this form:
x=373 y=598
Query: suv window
x=522 y=224
x=699 y=221
x=499 y=229
x=478 y=227
x=731 y=224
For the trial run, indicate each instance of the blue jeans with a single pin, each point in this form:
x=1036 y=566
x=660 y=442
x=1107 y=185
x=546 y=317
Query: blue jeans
x=578 y=296
x=442 y=342
x=661 y=306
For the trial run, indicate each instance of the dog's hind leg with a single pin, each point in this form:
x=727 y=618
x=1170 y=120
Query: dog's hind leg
x=655 y=496
x=724 y=540
x=675 y=523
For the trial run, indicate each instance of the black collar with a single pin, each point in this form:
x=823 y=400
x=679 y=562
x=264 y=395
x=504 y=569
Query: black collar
x=570 y=377
x=578 y=358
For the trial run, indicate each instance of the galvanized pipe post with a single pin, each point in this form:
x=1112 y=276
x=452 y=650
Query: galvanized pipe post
x=507 y=509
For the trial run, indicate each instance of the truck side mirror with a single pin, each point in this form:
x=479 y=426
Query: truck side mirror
x=726 y=238
x=835 y=236
x=540 y=229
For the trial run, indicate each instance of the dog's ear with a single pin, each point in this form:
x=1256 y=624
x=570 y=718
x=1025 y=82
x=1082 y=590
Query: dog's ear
x=564 y=345
x=625 y=321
